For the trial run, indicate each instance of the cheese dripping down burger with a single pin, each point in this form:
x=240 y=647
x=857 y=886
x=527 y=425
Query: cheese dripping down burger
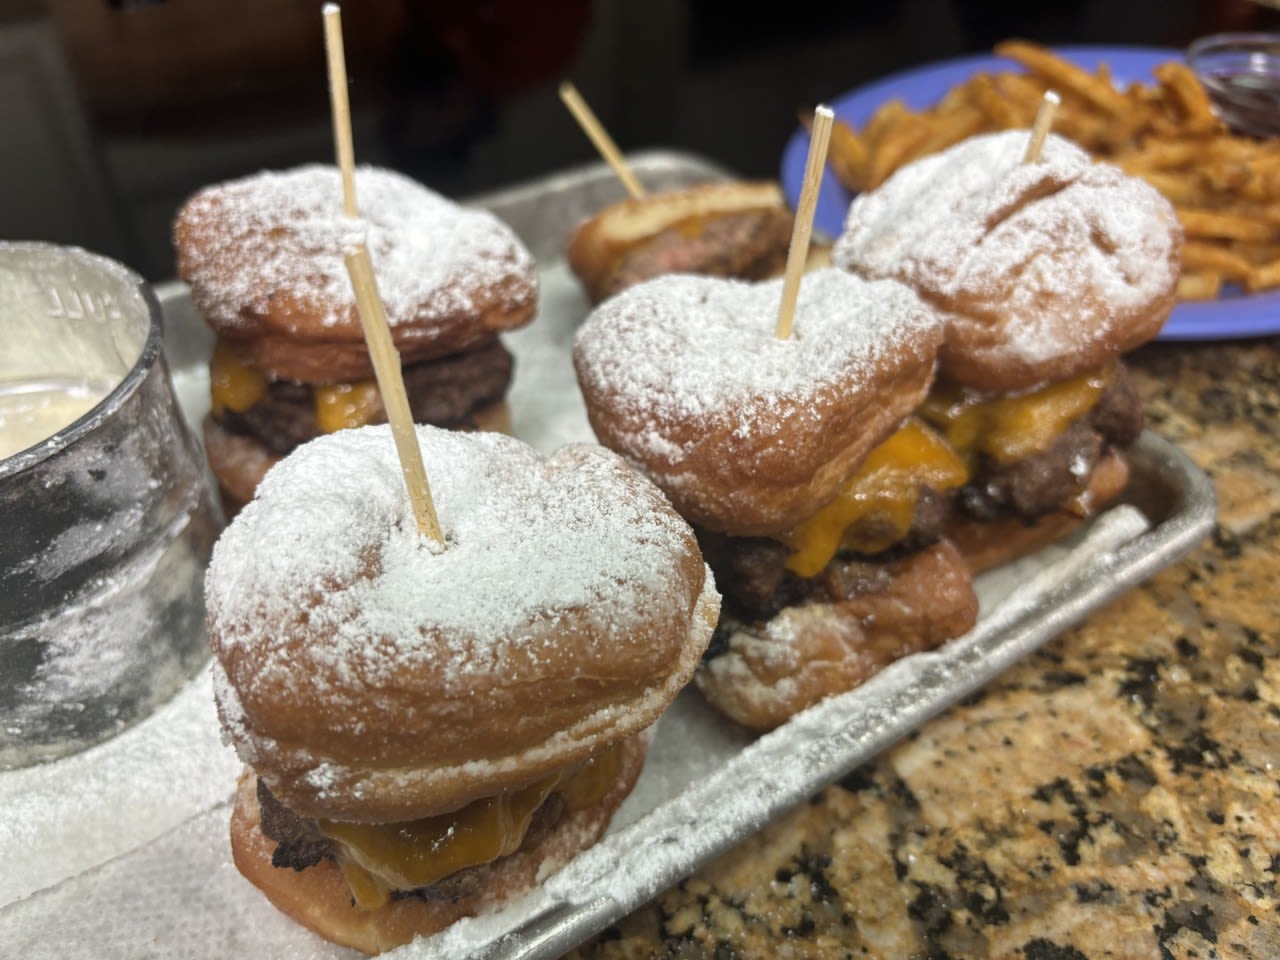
x=430 y=730
x=1045 y=274
x=813 y=490
x=264 y=258
x=738 y=229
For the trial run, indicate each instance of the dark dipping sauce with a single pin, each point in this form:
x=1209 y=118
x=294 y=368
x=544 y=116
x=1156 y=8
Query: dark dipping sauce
x=1243 y=81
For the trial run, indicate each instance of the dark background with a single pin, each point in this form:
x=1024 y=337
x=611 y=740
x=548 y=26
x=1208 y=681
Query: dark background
x=113 y=111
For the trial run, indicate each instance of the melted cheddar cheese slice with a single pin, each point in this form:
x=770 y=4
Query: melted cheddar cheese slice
x=1010 y=429
x=346 y=405
x=378 y=858
x=886 y=488
x=236 y=386
x=233 y=384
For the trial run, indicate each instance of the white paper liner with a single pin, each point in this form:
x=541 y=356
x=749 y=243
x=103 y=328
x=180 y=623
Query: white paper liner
x=64 y=817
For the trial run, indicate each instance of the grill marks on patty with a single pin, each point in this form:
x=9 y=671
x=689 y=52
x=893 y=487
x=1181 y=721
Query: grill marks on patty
x=445 y=392
x=751 y=572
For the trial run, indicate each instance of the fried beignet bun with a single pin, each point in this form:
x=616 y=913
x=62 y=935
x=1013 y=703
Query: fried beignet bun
x=762 y=673
x=1042 y=270
x=433 y=728
x=745 y=432
x=366 y=676
x=264 y=258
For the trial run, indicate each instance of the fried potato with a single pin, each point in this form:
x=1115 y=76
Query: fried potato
x=1225 y=188
x=1229 y=265
x=1224 y=226
x=1064 y=76
x=1199 y=286
x=1263 y=277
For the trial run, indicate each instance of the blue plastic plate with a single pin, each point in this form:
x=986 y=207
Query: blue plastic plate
x=1234 y=314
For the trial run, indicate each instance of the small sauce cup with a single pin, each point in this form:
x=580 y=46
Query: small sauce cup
x=1241 y=74
x=106 y=516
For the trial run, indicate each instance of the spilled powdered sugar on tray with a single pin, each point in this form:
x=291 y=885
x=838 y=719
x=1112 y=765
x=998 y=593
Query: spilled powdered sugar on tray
x=65 y=817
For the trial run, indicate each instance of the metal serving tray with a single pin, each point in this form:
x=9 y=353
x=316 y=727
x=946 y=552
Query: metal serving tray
x=708 y=783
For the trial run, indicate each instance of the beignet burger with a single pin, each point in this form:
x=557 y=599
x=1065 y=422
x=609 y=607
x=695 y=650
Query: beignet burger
x=1046 y=274
x=812 y=489
x=263 y=256
x=429 y=731
x=736 y=229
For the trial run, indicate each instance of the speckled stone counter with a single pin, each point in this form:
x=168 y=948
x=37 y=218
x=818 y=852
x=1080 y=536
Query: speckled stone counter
x=1115 y=795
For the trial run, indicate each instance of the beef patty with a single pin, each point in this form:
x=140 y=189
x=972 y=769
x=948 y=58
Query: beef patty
x=750 y=245
x=300 y=844
x=445 y=392
x=1045 y=481
x=752 y=574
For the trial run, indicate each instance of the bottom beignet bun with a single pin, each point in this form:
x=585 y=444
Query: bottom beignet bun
x=318 y=897
x=986 y=545
x=761 y=674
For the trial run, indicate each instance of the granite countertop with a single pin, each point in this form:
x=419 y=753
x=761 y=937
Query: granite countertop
x=1115 y=795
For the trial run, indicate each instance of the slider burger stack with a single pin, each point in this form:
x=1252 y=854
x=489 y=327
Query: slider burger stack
x=429 y=730
x=734 y=229
x=263 y=256
x=1045 y=273
x=814 y=491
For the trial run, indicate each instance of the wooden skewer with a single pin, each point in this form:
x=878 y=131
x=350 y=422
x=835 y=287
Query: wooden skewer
x=386 y=367
x=1044 y=120
x=340 y=105
x=597 y=134
x=369 y=305
x=798 y=253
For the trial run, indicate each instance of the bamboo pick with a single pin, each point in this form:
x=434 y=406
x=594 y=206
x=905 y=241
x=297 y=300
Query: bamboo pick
x=340 y=105
x=597 y=134
x=798 y=253
x=1044 y=120
x=386 y=367
x=369 y=305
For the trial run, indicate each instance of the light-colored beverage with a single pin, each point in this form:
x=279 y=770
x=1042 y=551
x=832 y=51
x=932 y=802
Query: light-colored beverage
x=32 y=411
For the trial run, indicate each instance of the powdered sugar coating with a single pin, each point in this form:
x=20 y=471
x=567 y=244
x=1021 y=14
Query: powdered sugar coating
x=681 y=347
x=746 y=432
x=286 y=231
x=1055 y=254
x=528 y=539
x=373 y=674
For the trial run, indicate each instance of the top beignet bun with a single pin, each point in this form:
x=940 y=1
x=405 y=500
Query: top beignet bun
x=749 y=434
x=1043 y=270
x=367 y=675
x=264 y=258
